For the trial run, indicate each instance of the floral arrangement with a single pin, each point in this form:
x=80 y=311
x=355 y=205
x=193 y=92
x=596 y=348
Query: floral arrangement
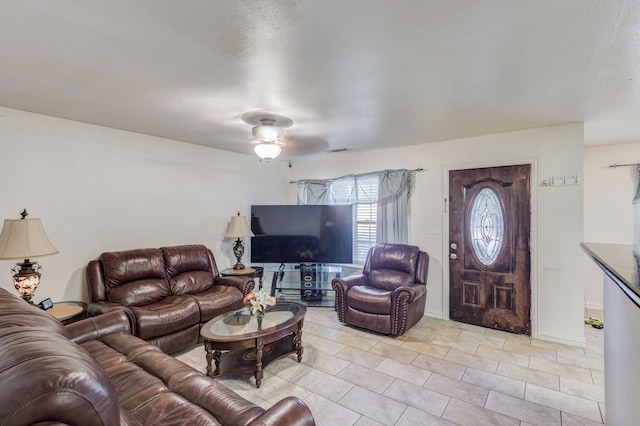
x=258 y=301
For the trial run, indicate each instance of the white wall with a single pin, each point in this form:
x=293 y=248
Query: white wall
x=608 y=212
x=557 y=212
x=99 y=189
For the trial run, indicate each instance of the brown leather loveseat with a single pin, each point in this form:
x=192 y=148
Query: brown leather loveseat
x=93 y=372
x=168 y=292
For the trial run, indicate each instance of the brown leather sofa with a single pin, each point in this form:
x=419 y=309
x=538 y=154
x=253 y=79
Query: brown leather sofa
x=93 y=372
x=168 y=292
x=390 y=295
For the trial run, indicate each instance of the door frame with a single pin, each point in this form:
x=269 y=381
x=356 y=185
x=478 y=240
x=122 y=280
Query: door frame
x=533 y=237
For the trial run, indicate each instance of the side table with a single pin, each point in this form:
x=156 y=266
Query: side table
x=250 y=272
x=68 y=312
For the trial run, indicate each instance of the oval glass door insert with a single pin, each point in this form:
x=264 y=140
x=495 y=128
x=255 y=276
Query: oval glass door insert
x=486 y=226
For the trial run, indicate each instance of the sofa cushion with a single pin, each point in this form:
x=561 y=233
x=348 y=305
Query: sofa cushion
x=135 y=277
x=171 y=314
x=218 y=300
x=369 y=299
x=188 y=268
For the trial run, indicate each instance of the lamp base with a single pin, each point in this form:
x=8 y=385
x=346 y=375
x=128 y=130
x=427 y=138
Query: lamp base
x=26 y=279
x=238 y=251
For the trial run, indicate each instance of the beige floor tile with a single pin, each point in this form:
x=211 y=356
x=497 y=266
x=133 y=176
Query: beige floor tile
x=527 y=349
x=512 y=337
x=420 y=334
x=414 y=417
x=373 y=405
x=482 y=339
x=571 y=420
x=408 y=373
x=440 y=366
x=528 y=375
x=581 y=361
x=288 y=368
x=358 y=356
x=495 y=382
x=360 y=342
x=324 y=362
x=465 y=414
x=598 y=377
x=428 y=372
x=325 y=385
x=564 y=370
x=562 y=401
x=273 y=389
x=523 y=410
x=396 y=353
x=418 y=397
x=474 y=361
x=468 y=327
x=366 y=421
x=327 y=413
x=582 y=389
x=426 y=348
x=503 y=356
x=313 y=342
x=366 y=377
x=459 y=344
x=457 y=389
x=319 y=330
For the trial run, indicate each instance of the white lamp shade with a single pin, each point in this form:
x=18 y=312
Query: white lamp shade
x=238 y=228
x=24 y=239
x=267 y=151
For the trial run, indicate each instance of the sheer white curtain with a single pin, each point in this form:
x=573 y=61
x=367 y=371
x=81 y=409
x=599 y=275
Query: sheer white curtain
x=390 y=190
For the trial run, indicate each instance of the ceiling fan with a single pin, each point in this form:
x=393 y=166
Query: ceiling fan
x=269 y=141
x=268 y=133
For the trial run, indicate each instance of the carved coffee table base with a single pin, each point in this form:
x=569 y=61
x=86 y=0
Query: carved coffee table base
x=252 y=354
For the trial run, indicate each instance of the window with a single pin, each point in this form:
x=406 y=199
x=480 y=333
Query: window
x=380 y=201
x=365 y=219
x=486 y=226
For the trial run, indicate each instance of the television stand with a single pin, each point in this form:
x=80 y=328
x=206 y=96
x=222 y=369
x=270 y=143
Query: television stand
x=309 y=284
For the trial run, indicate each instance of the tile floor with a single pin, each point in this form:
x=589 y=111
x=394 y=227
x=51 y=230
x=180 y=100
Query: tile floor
x=438 y=373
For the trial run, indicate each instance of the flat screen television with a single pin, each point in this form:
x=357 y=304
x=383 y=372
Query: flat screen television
x=302 y=234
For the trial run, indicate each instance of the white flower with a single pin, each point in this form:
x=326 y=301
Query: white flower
x=258 y=301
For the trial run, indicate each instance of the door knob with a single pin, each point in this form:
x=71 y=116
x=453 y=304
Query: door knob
x=454 y=246
x=453 y=256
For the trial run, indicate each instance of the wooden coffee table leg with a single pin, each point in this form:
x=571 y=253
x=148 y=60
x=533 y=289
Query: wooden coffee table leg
x=209 y=350
x=216 y=357
x=258 y=373
x=297 y=339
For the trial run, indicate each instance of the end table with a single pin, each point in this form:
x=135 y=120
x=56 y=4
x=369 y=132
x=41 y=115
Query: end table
x=68 y=312
x=250 y=272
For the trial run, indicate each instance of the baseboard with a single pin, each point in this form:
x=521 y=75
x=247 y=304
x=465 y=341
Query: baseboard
x=434 y=314
x=598 y=307
x=565 y=340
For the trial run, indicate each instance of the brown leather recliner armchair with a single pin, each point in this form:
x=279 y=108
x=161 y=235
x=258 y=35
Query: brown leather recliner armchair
x=389 y=296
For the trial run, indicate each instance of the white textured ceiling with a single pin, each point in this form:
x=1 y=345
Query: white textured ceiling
x=355 y=74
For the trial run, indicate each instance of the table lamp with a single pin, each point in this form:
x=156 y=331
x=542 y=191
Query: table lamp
x=238 y=228
x=24 y=239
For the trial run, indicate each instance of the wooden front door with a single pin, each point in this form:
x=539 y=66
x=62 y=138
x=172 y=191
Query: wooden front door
x=489 y=257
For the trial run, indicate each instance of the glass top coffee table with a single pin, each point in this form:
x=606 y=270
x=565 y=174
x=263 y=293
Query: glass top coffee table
x=237 y=346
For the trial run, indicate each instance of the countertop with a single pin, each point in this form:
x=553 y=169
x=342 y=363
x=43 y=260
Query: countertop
x=620 y=264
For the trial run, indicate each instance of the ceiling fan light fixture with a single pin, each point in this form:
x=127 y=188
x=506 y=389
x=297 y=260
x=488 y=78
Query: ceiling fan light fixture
x=267 y=131
x=267 y=151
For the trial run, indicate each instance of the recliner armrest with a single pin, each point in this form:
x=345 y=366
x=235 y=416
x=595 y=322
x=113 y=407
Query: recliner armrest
x=95 y=327
x=100 y=308
x=244 y=284
x=289 y=411
x=350 y=281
